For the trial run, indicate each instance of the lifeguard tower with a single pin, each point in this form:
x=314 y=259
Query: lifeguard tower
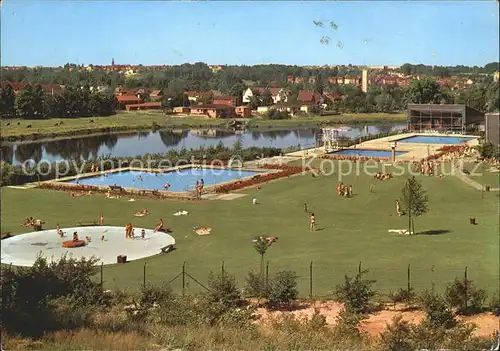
x=330 y=137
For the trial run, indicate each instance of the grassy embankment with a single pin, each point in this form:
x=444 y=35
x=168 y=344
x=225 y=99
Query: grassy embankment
x=349 y=231
x=17 y=129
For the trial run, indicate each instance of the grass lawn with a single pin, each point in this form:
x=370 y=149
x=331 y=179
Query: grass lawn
x=349 y=231
x=481 y=174
x=120 y=121
x=130 y=121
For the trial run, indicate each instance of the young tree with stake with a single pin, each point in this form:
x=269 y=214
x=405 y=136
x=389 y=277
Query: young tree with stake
x=413 y=201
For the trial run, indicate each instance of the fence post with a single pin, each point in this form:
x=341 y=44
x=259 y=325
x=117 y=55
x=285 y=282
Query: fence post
x=311 y=280
x=359 y=268
x=466 y=286
x=102 y=274
x=184 y=278
x=267 y=274
x=144 y=276
x=409 y=277
x=222 y=268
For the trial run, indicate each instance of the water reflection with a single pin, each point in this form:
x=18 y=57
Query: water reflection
x=146 y=142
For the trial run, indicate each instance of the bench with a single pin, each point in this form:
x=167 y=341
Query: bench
x=87 y=224
x=116 y=188
x=167 y=248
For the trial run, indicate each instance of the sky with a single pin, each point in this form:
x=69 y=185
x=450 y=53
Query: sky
x=52 y=33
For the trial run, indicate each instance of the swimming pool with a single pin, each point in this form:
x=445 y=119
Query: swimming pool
x=366 y=153
x=434 y=139
x=180 y=180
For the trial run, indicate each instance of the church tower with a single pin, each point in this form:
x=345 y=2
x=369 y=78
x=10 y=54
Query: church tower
x=113 y=61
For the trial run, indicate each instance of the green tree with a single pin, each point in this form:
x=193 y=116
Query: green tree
x=267 y=98
x=319 y=84
x=237 y=90
x=7 y=100
x=423 y=91
x=413 y=201
x=29 y=103
x=384 y=103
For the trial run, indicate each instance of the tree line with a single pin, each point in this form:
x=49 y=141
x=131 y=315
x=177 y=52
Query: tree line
x=82 y=99
x=32 y=102
x=201 y=76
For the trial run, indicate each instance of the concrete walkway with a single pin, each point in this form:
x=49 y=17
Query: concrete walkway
x=471 y=182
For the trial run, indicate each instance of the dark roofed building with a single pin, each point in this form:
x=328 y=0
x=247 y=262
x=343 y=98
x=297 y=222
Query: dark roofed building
x=442 y=118
x=492 y=128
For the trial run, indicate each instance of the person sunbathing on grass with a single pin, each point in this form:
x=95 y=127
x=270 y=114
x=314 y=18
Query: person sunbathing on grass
x=159 y=226
x=141 y=213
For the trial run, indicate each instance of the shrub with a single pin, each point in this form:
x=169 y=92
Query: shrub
x=495 y=305
x=276 y=115
x=434 y=306
x=222 y=288
x=31 y=296
x=356 y=293
x=150 y=296
x=283 y=288
x=464 y=296
x=397 y=336
x=256 y=285
x=406 y=296
x=348 y=322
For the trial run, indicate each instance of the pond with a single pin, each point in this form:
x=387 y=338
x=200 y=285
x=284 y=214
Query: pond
x=148 y=142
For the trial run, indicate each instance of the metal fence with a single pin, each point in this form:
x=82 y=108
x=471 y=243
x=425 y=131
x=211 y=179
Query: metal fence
x=313 y=281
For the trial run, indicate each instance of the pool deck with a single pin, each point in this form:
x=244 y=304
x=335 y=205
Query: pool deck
x=413 y=151
x=181 y=195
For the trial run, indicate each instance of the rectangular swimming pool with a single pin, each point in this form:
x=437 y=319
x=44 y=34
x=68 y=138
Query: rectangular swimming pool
x=180 y=180
x=366 y=153
x=431 y=139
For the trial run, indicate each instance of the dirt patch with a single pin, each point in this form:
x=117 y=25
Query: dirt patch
x=377 y=322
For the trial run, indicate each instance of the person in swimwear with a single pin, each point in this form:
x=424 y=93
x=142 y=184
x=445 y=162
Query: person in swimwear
x=75 y=236
x=143 y=234
x=398 y=208
x=159 y=226
x=312 y=222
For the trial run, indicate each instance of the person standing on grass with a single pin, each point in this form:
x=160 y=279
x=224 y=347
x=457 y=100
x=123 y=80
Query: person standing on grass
x=398 y=208
x=305 y=207
x=312 y=222
x=101 y=220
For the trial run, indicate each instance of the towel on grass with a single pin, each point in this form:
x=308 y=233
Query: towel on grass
x=181 y=213
x=203 y=231
x=400 y=231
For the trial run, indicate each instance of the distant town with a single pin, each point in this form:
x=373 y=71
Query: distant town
x=222 y=91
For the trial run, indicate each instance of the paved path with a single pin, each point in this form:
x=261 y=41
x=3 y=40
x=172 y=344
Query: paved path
x=471 y=182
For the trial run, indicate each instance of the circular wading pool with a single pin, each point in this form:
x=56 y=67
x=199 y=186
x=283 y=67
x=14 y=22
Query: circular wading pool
x=23 y=249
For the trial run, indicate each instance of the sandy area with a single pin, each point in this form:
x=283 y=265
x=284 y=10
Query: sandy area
x=486 y=323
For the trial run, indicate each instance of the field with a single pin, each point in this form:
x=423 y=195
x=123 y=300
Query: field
x=349 y=231
x=133 y=121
